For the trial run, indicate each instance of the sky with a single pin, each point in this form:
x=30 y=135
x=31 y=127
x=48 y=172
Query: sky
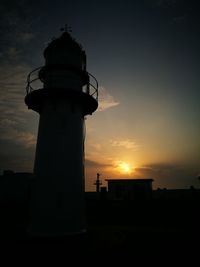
x=146 y=58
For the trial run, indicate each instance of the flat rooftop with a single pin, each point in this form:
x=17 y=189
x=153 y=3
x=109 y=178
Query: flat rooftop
x=132 y=179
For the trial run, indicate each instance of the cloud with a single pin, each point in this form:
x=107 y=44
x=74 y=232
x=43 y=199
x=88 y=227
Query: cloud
x=16 y=26
x=167 y=3
x=168 y=175
x=160 y=170
x=8 y=132
x=94 y=164
x=106 y=100
x=24 y=36
x=179 y=12
x=127 y=143
x=13 y=53
x=179 y=19
x=12 y=108
x=96 y=146
x=24 y=138
x=13 y=83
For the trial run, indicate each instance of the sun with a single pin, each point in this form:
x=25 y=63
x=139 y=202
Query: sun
x=124 y=167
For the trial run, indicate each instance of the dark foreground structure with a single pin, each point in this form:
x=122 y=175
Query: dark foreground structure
x=130 y=189
x=150 y=231
x=160 y=229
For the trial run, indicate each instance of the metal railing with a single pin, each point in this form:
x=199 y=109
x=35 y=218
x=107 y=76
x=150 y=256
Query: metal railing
x=32 y=78
x=34 y=83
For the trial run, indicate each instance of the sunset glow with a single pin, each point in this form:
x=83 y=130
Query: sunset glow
x=124 y=167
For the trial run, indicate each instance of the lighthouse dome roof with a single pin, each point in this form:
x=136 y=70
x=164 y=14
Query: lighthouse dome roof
x=63 y=43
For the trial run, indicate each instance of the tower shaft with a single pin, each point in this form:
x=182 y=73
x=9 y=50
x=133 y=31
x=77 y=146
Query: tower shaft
x=57 y=193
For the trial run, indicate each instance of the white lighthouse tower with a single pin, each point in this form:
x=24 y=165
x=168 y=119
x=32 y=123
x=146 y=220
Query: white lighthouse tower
x=66 y=97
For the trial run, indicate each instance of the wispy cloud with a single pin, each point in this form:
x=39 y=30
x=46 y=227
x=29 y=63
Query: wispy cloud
x=16 y=29
x=12 y=107
x=12 y=83
x=178 y=11
x=167 y=3
x=25 y=138
x=127 y=143
x=106 y=100
x=12 y=53
x=95 y=164
x=96 y=146
x=179 y=19
x=24 y=36
x=9 y=132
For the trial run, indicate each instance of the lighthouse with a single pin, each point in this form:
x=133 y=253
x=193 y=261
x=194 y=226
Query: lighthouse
x=67 y=94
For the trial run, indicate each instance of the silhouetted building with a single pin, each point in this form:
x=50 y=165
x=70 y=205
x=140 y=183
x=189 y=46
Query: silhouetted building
x=129 y=189
x=62 y=102
x=15 y=186
x=176 y=194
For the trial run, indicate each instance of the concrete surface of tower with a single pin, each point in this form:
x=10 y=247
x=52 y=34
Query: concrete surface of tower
x=66 y=97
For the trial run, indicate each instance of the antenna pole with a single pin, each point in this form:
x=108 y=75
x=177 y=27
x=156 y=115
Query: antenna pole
x=98 y=183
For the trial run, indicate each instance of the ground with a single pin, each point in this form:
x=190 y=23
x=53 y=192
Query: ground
x=118 y=231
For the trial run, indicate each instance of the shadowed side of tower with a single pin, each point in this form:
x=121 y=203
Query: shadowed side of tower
x=57 y=198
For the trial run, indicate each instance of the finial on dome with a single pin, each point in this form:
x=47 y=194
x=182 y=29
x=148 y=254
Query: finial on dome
x=66 y=28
